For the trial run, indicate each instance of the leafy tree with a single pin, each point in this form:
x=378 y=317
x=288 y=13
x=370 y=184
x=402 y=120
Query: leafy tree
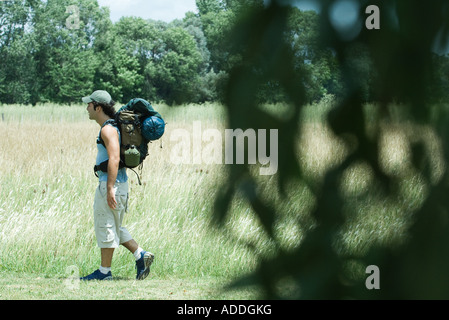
x=122 y=59
x=209 y=6
x=217 y=22
x=169 y=58
x=321 y=65
x=14 y=17
x=177 y=67
x=17 y=70
x=66 y=62
x=70 y=72
x=193 y=25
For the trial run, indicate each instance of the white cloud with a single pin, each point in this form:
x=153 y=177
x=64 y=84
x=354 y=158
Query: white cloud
x=165 y=10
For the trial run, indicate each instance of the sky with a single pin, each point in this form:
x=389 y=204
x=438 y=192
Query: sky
x=165 y=10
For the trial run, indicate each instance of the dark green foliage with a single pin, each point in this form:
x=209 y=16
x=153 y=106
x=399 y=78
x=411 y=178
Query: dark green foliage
x=395 y=64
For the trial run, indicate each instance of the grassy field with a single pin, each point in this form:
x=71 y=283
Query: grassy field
x=46 y=222
x=47 y=187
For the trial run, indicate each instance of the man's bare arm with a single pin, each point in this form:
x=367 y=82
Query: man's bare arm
x=110 y=138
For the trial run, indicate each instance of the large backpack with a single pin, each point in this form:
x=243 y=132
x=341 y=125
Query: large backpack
x=139 y=124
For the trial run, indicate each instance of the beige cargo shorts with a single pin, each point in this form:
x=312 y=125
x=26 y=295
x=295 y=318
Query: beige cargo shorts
x=108 y=222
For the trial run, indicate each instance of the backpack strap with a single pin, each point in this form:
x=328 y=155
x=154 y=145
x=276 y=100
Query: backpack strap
x=104 y=165
x=113 y=123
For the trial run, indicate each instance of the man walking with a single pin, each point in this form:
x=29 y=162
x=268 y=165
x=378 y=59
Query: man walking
x=111 y=196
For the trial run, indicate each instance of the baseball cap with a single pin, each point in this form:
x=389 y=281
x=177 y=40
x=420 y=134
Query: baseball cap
x=99 y=96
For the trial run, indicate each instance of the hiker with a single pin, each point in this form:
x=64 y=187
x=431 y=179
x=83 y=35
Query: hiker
x=111 y=196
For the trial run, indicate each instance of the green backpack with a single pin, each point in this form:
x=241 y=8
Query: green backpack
x=139 y=124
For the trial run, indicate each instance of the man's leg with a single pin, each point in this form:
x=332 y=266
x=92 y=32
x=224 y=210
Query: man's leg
x=106 y=257
x=143 y=258
x=104 y=225
x=131 y=245
x=104 y=272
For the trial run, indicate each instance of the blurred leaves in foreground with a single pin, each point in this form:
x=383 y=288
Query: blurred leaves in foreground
x=399 y=59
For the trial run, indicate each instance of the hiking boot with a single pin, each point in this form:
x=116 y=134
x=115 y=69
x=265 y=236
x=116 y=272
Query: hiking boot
x=143 y=265
x=97 y=275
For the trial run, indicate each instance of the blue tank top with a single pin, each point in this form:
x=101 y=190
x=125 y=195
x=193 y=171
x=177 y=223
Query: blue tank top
x=102 y=156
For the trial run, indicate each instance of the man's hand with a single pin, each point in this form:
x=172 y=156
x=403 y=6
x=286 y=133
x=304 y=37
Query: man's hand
x=112 y=203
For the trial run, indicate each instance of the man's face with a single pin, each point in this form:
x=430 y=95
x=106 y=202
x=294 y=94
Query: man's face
x=91 y=111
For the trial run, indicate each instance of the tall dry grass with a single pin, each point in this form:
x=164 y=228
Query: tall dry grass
x=47 y=187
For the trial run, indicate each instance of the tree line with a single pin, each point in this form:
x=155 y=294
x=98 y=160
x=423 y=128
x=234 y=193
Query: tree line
x=44 y=58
